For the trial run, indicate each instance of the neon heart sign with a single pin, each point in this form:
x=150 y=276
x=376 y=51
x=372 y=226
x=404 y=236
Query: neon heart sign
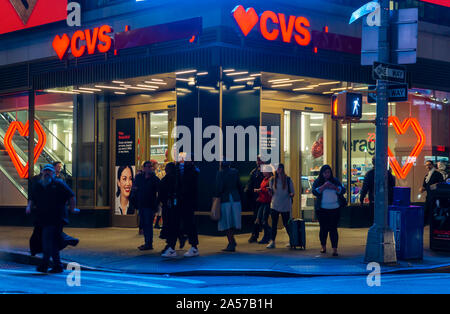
x=289 y=27
x=401 y=128
x=24 y=131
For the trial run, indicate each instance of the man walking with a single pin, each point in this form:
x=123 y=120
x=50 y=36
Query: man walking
x=432 y=178
x=188 y=203
x=49 y=196
x=369 y=186
x=147 y=186
x=254 y=182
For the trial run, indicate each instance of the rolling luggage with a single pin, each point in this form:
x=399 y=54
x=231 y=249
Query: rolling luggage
x=297 y=233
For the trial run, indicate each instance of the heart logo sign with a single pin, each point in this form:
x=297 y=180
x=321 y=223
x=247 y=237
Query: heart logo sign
x=401 y=128
x=245 y=19
x=24 y=131
x=61 y=44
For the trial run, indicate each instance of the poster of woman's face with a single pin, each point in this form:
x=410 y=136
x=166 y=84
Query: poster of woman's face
x=124 y=179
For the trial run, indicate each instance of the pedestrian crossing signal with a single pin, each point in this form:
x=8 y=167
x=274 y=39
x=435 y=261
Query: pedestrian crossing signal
x=346 y=106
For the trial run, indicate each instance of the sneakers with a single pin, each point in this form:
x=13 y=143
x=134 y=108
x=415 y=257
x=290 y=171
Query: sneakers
x=271 y=245
x=192 y=252
x=253 y=239
x=145 y=247
x=169 y=253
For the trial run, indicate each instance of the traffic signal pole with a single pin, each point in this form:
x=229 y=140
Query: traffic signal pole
x=380 y=246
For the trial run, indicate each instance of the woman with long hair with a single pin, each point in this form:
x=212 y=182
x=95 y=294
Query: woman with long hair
x=282 y=190
x=330 y=198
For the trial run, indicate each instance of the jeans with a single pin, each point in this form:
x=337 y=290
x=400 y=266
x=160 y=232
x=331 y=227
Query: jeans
x=263 y=217
x=51 y=242
x=147 y=215
x=275 y=215
x=328 y=220
x=188 y=225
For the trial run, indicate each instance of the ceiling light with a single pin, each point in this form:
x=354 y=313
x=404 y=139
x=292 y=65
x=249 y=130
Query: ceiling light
x=154 y=82
x=110 y=87
x=255 y=74
x=329 y=83
x=202 y=73
x=282 y=85
x=60 y=91
x=185 y=72
x=82 y=91
x=237 y=86
x=120 y=93
x=90 y=89
x=325 y=93
x=157 y=80
x=185 y=80
x=148 y=86
x=360 y=88
x=228 y=70
x=118 y=82
x=237 y=73
x=142 y=88
x=340 y=88
x=279 y=80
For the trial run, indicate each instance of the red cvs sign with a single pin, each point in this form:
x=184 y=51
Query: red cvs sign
x=83 y=42
x=273 y=26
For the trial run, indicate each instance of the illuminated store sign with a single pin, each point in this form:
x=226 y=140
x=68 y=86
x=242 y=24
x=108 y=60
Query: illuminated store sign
x=24 y=131
x=272 y=25
x=83 y=42
x=17 y=15
x=401 y=128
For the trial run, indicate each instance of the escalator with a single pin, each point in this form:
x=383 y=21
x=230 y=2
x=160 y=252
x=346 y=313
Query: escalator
x=20 y=144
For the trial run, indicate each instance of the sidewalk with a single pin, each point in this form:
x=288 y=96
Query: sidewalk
x=115 y=249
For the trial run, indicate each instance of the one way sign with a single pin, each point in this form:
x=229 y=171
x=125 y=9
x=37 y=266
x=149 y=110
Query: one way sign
x=397 y=92
x=389 y=72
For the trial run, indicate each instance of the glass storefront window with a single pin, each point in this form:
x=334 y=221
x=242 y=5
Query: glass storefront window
x=431 y=111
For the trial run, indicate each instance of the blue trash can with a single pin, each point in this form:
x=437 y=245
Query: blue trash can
x=407 y=224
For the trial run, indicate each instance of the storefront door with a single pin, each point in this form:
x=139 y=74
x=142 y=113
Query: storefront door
x=139 y=133
x=305 y=139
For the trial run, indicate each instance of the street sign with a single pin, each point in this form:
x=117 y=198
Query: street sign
x=403 y=34
x=396 y=92
x=389 y=72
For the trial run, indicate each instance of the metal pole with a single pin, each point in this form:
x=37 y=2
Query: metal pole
x=31 y=105
x=380 y=239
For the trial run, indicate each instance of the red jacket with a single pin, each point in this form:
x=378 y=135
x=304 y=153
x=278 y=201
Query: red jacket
x=263 y=195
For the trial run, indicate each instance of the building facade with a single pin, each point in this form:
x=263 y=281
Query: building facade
x=107 y=94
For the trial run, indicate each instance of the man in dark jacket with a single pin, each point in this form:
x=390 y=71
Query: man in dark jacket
x=432 y=178
x=146 y=191
x=49 y=197
x=369 y=186
x=254 y=182
x=188 y=202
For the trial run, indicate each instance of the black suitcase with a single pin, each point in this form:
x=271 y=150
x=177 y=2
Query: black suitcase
x=297 y=233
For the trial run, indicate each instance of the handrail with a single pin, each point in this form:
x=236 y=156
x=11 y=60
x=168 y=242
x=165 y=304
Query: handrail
x=14 y=182
x=51 y=133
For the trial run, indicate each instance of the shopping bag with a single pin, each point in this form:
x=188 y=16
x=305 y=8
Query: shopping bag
x=215 y=209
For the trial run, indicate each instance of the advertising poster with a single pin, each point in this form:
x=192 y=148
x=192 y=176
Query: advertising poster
x=125 y=169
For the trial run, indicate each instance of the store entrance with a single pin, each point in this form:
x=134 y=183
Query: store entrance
x=305 y=138
x=139 y=133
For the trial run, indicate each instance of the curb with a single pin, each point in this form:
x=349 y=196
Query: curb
x=26 y=259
